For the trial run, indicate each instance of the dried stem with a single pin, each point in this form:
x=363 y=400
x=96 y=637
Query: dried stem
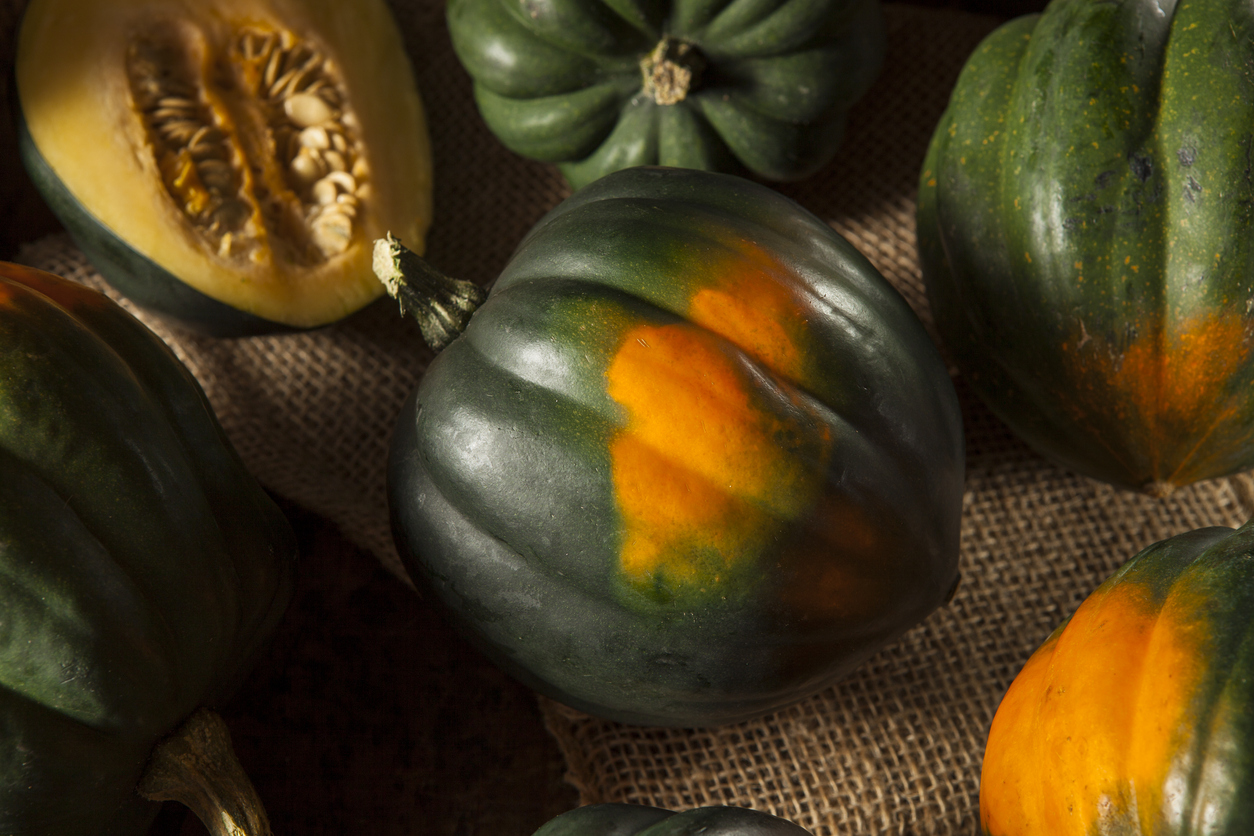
x=197 y=767
x=671 y=71
x=441 y=305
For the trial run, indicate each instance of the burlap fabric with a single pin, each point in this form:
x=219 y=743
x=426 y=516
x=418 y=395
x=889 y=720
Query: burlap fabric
x=896 y=748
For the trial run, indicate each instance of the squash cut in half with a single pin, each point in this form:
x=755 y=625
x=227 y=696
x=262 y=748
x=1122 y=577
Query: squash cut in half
x=226 y=162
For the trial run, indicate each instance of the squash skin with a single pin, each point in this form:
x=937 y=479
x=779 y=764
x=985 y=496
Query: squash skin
x=810 y=519
x=640 y=820
x=108 y=193
x=561 y=82
x=1085 y=237
x=143 y=567
x=1135 y=716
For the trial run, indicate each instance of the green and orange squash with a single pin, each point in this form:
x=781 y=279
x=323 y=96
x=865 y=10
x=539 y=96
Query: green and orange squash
x=1087 y=239
x=640 y=820
x=226 y=163
x=1135 y=717
x=692 y=460
x=141 y=570
x=599 y=85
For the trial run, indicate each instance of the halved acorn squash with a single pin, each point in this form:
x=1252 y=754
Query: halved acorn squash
x=226 y=162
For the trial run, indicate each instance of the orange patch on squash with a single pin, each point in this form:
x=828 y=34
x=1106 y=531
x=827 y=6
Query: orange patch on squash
x=68 y=294
x=710 y=461
x=1165 y=387
x=1084 y=739
x=845 y=564
x=748 y=301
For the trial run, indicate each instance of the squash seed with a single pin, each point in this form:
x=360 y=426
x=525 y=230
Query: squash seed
x=344 y=180
x=307 y=110
x=315 y=138
x=332 y=232
x=335 y=160
x=307 y=168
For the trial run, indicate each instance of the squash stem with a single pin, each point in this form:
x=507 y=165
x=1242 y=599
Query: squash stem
x=671 y=71
x=441 y=305
x=197 y=767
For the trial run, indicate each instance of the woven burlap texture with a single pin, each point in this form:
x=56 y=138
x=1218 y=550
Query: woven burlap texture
x=896 y=748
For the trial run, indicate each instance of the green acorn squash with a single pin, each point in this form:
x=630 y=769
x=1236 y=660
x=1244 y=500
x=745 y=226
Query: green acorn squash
x=692 y=460
x=226 y=162
x=640 y=820
x=597 y=86
x=1135 y=718
x=141 y=567
x=1086 y=236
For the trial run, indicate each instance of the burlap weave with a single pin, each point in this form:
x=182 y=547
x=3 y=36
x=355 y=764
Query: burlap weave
x=896 y=748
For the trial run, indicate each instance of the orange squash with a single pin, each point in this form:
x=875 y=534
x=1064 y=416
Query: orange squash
x=1136 y=716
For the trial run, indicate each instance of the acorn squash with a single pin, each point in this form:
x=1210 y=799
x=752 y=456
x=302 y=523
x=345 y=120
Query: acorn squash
x=641 y=820
x=597 y=86
x=1136 y=716
x=141 y=567
x=226 y=162
x=692 y=460
x=1085 y=234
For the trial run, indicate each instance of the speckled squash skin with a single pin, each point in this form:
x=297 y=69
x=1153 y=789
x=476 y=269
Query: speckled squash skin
x=141 y=567
x=1085 y=229
x=692 y=460
x=640 y=820
x=1135 y=717
x=561 y=80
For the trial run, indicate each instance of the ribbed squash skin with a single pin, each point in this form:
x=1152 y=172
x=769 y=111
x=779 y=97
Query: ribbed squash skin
x=140 y=565
x=692 y=460
x=640 y=820
x=560 y=81
x=1085 y=230
x=1135 y=718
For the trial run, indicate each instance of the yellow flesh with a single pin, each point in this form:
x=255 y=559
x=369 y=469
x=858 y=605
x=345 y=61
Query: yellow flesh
x=113 y=93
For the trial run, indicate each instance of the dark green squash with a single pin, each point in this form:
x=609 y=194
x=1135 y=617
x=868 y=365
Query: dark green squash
x=1086 y=234
x=640 y=820
x=597 y=86
x=1136 y=717
x=141 y=567
x=691 y=461
x=226 y=163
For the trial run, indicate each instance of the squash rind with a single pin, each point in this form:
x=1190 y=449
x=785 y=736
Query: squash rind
x=1085 y=242
x=771 y=99
x=611 y=819
x=526 y=498
x=139 y=556
x=1135 y=716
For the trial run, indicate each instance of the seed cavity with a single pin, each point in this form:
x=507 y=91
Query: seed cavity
x=197 y=160
x=254 y=139
x=314 y=133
